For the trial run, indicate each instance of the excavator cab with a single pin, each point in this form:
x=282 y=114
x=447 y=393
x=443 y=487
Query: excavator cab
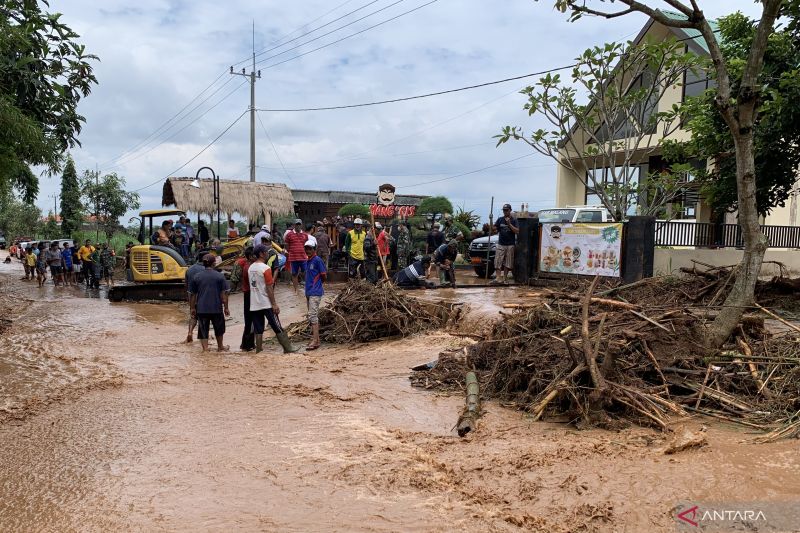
x=157 y=272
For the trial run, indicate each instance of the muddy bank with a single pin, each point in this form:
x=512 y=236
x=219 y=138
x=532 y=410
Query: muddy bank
x=336 y=440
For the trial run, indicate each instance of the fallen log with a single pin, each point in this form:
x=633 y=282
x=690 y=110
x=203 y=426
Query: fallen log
x=468 y=421
x=595 y=300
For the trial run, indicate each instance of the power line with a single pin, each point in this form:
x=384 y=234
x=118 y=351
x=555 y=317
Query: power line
x=317 y=38
x=417 y=97
x=467 y=173
x=346 y=36
x=209 y=145
x=303 y=26
x=275 y=150
x=204 y=113
x=158 y=130
x=262 y=52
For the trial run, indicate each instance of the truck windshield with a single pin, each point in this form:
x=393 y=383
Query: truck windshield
x=556 y=215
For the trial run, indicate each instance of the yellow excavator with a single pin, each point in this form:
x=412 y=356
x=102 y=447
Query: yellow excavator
x=158 y=272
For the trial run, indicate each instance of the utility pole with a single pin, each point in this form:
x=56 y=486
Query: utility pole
x=96 y=208
x=252 y=77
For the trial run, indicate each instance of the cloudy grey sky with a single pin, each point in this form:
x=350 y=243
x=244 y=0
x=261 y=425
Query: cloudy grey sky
x=157 y=55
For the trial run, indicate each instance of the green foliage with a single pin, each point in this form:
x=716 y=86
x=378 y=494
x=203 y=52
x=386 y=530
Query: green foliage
x=71 y=211
x=18 y=219
x=106 y=198
x=50 y=230
x=44 y=73
x=356 y=210
x=434 y=206
x=616 y=126
x=467 y=218
x=777 y=128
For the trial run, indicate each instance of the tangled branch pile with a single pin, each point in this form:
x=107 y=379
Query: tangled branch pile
x=363 y=312
x=601 y=360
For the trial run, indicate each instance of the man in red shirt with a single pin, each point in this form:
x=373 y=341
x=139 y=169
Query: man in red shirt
x=248 y=341
x=295 y=248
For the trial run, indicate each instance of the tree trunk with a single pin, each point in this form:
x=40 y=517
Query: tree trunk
x=755 y=243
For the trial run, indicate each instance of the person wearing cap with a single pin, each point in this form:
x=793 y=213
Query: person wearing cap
x=323 y=244
x=435 y=238
x=354 y=248
x=370 y=254
x=444 y=258
x=316 y=272
x=507 y=229
x=263 y=305
x=209 y=303
x=415 y=274
x=261 y=234
x=296 y=253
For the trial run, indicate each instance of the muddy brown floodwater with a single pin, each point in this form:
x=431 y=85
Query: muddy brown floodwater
x=109 y=423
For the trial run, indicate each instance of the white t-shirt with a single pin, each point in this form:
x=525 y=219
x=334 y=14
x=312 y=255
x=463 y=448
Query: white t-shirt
x=257 y=238
x=259 y=275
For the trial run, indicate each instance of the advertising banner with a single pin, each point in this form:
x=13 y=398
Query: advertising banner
x=585 y=249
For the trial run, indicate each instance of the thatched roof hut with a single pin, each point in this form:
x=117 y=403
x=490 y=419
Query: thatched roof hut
x=248 y=199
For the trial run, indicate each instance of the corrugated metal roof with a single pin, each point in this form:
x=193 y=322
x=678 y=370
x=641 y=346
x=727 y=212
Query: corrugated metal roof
x=346 y=197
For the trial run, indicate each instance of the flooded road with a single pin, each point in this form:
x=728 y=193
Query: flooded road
x=112 y=424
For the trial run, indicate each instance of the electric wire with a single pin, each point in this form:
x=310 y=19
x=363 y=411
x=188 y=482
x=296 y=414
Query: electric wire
x=175 y=134
x=298 y=56
x=275 y=150
x=209 y=145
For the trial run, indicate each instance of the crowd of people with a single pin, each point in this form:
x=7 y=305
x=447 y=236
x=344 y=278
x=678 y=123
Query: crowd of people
x=89 y=264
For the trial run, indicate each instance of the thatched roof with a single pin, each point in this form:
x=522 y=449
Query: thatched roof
x=246 y=198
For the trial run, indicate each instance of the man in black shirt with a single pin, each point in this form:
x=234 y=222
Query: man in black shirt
x=435 y=239
x=444 y=258
x=507 y=229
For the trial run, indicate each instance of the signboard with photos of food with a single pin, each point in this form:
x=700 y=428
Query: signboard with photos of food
x=585 y=249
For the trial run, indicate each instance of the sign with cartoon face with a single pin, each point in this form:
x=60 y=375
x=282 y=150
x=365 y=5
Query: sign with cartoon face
x=585 y=249
x=386 y=194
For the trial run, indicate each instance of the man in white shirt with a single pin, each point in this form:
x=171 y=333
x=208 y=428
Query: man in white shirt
x=263 y=305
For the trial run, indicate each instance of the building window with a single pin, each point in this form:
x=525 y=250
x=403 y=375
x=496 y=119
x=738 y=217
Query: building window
x=625 y=125
x=604 y=176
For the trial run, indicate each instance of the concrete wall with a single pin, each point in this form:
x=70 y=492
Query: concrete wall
x=670 y=260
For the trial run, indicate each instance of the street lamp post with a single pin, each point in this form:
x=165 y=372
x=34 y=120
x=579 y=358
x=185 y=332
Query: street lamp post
x=216 y=194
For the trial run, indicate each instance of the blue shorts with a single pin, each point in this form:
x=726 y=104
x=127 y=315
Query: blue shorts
x=297 y=267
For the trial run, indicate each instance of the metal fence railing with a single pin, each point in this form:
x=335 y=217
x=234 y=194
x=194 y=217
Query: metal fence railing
x=707 y=235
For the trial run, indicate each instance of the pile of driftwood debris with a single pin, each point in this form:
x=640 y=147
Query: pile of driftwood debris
x=363 y=312
x=636 y=354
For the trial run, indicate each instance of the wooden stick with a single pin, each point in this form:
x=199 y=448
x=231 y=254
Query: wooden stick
x=753 y=371
x=380 y=256
x=624 y=287
x=591 y=357
x=703 y=387
x=776 y=317
x=538 y=411
x=640 y=315
x=652 y=357
x=576 y=298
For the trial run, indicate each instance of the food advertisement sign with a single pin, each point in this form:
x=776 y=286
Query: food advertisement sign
x=585 y=249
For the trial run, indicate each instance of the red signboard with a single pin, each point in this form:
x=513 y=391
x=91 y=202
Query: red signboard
x=390 y=211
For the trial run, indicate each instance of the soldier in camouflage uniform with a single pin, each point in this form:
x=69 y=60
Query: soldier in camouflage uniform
x=404 y=245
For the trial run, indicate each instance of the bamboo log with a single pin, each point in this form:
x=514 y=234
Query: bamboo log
x=595 y=299
x=468 y=421
x=779 y=319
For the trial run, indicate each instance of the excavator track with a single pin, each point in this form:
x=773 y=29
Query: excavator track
x=174 y=292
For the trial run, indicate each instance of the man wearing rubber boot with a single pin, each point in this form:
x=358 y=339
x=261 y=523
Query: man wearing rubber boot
x=263 y=306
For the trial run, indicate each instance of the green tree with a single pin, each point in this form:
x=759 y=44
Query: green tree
x=468 y=218
x=50 y=230
x=356 y=210
x=18 y=219
x=106 y=198
x=622 y=85
x=738 y=105
x=44 y=73
x=71 y=212
x=435 y=206
x=776 y=130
